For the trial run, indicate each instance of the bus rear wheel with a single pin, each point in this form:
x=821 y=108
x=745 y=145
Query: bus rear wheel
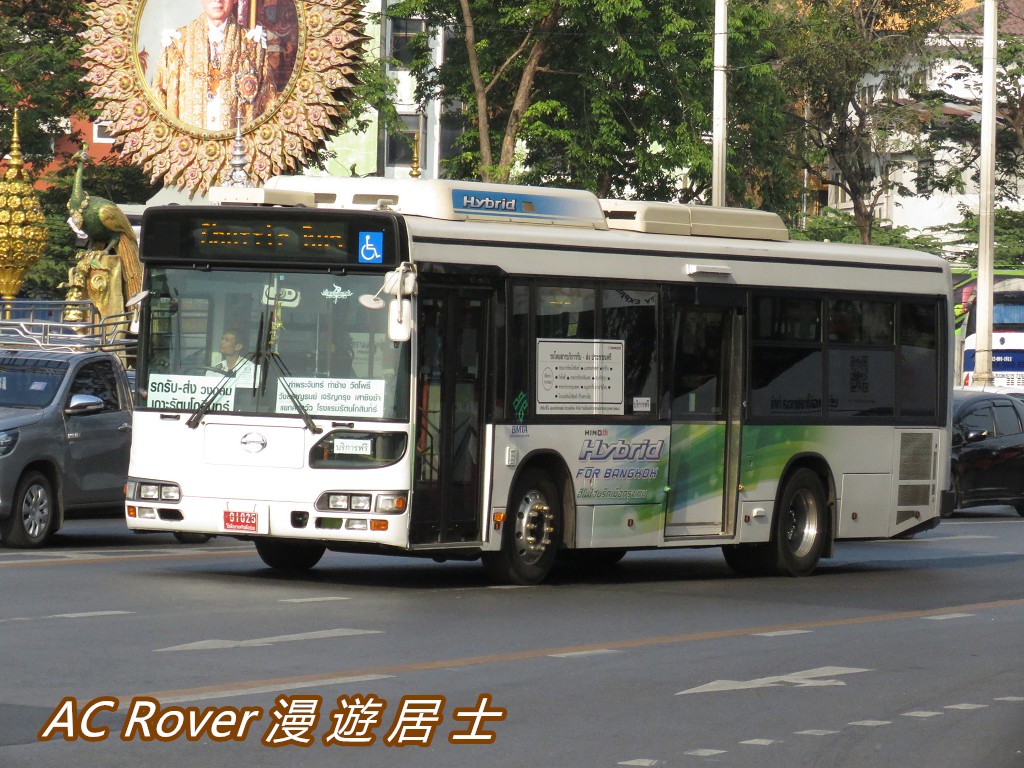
x=800 y=526
x=530 y=534
x=289 y=555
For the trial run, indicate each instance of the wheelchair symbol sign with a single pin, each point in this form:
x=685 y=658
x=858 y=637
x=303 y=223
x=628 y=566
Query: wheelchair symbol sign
x=371 y=247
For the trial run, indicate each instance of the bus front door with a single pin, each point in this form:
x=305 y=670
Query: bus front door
x=706 y=376
x=446 y=503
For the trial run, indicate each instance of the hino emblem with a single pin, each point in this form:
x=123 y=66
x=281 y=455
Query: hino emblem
x=253 y=442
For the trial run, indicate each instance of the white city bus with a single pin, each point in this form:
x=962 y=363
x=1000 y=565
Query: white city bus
x=459 y=370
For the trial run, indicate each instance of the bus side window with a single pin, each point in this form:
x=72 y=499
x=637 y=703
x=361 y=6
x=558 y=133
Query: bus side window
x=698 y=340
x=630 y=315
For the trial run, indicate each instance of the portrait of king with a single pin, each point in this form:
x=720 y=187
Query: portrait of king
x=213 y=73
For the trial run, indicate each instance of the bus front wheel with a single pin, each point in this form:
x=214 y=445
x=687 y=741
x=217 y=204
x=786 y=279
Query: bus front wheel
x=289 y=555
x=800 y=525
x=530 y=534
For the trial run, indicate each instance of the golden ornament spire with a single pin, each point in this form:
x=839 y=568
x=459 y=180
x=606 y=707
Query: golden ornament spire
x=15 y=166
x=23 y=233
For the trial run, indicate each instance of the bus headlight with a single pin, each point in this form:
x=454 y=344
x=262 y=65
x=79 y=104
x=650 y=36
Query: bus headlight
x=386 y=503
x=153 y=491
x=337 y=501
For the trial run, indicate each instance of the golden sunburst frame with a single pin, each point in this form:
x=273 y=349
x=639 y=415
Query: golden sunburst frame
x=284 y=82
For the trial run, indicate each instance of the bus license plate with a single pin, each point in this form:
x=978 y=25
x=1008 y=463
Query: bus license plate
x=247 y=522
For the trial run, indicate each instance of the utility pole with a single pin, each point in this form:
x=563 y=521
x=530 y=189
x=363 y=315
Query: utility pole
x=986 y=193
x=718 y=109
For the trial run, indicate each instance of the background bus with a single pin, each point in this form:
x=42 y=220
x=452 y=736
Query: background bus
x=1007 y=326
x=457 y=370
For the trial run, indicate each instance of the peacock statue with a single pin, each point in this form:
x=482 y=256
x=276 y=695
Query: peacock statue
x=113 y=270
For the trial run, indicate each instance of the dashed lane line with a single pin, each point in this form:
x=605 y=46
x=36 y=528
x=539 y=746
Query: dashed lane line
x=91 y=558
x=305 y=681
x=822 y=732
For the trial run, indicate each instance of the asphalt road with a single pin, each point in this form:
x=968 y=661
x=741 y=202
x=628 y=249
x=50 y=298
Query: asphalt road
x=894 y=653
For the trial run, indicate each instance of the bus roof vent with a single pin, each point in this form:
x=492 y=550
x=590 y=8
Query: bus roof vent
x=694 y=220
x=452 y=200
x=260 y=196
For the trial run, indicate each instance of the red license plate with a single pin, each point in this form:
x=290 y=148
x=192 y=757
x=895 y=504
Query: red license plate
x=247 y=522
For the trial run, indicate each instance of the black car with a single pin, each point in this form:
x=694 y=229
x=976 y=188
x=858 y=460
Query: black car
x=988 y=450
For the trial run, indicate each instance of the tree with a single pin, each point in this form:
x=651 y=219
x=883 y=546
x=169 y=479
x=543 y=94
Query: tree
x=628 y=110
x=956 y=137
x=39 y=45
x=1008 y=233
x=841 y=227
x=847 y=64
x=610 y=95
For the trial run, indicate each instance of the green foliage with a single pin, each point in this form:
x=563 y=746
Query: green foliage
x=620 y=98
x=841 y=227
x=829 y=51
x=39 y=45
x=1008 y=234
x=957 y=132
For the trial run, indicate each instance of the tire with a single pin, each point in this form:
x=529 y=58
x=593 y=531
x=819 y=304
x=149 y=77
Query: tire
x=32 y=513
x=800 y=525
x=193 y=538
x=285 y=555
x=531 y=534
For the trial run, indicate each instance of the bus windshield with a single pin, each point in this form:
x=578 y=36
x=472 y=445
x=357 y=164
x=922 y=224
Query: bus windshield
x=270 y=343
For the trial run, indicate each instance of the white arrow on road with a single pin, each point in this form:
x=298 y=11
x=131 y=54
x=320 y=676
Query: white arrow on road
x=807 y=678
x=216 y=645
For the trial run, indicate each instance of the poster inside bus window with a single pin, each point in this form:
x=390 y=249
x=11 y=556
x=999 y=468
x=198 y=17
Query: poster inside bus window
x=583 y=376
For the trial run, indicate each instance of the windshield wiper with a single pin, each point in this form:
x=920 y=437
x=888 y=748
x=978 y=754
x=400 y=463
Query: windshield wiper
x=265 y=354
x=205 y=406
x=283 y=379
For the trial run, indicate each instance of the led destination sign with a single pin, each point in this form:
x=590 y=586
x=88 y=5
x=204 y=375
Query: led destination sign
x=221 y=235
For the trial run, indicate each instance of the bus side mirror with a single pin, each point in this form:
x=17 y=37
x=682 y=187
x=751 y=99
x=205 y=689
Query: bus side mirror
x=400 y=320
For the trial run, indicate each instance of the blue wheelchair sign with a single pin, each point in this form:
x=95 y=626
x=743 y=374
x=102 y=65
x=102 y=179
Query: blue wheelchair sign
x=371 y=247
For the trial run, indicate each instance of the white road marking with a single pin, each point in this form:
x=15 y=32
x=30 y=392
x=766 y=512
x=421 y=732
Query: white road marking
x=760 y=742
x=576 y=654
x=783 y=633
x=871 y=723
x=1010 y=698
x=311 y=599
x=966 y=706
x=639 y=761
x=920 y=713
x=816 y=733
x=209 y=645
x=231 y=693
x=944 y=616
x=806 y=678
x=705 y=752
x=86 y=615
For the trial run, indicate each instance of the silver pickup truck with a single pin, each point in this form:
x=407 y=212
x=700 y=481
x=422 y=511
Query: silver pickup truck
x=65 y=423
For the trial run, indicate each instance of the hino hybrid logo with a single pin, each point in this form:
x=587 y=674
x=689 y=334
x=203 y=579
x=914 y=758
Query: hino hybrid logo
x=488 y=203
x=620 y=450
